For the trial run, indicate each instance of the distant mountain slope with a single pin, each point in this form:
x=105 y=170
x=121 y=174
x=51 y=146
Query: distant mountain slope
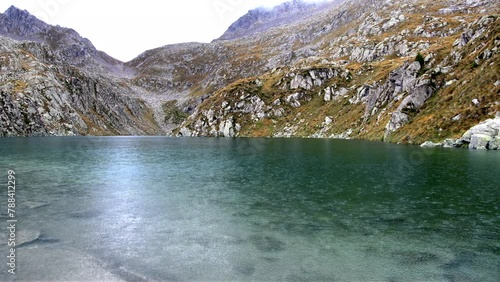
x=262 y=19
x=67 y=43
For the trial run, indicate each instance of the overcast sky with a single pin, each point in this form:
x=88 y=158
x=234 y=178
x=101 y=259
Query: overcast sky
x=124 y=29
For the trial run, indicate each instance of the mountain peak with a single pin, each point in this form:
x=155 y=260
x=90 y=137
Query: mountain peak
x=17 y=15
x=14 y=9
x=20 y=23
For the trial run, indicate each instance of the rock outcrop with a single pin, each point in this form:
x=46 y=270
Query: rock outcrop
x=484 y=136
x=252 y=104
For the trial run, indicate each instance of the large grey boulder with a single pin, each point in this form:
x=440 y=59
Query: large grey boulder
x=227 y=128
x=484 y=136
x=480 y=141
x=495 y=143
x=301 y=82
x=398 y=120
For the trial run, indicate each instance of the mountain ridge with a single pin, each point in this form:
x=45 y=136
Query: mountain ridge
x=262 y=19
x=21 y=25
x=348 y=70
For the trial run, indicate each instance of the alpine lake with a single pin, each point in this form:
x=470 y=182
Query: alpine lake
x=210 y=209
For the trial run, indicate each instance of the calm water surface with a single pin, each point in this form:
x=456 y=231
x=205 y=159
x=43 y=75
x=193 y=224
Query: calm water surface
x=140 y=209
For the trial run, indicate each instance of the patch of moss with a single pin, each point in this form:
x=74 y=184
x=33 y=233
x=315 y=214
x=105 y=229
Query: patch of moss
x=20 y=86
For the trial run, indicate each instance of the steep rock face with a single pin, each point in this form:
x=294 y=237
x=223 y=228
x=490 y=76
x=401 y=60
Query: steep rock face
x=37 y=99
x=402 y=84
x=175 y=69
x=299 y=87
x=245 y=105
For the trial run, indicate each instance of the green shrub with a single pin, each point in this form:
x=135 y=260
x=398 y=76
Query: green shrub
x=420 y=58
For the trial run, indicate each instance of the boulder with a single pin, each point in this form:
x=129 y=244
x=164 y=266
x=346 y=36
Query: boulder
x=185 y=132
x=484 y=136
x=301 y=82
x=398 y=120
x=451 y=143
x=480 y=141
x=494 y=144
x=430 y=144
x=293 y=99
x=227 y=129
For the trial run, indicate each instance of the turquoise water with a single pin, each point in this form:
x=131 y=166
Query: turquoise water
x=169 y=209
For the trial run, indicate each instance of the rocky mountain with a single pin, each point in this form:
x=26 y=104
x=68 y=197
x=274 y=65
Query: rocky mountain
x=400 y=71
x=54 y=82
x=39 y=98
x=72 y=48
x=262 y=19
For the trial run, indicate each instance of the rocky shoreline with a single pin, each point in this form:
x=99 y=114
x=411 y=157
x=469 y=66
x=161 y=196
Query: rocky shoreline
x=484 y=136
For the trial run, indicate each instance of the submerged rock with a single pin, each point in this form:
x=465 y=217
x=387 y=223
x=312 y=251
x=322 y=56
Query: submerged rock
x=267 y=243
x=415 y=257
x=85 y=214
x=64 y=264
x=35 y=205
x=41 y=239
x=245 y=269
x=23 y=237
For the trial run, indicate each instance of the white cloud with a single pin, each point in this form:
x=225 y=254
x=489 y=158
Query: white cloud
x=127 y=28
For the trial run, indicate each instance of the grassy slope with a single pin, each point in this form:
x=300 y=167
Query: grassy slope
x=432 y=122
